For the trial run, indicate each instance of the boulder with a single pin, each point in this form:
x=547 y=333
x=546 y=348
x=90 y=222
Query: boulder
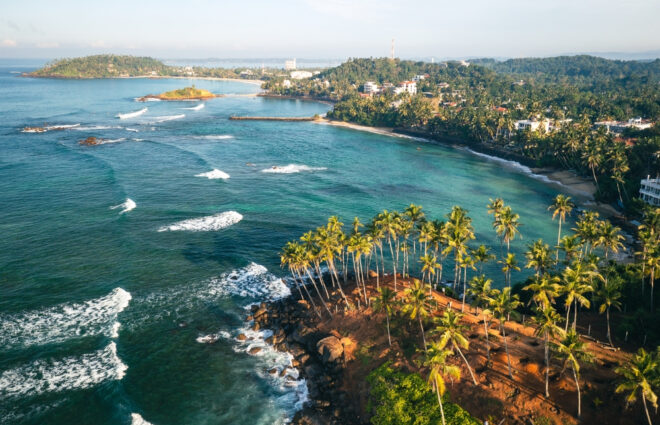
x=330 y=348
x=241 y=337
x=372 y=274
x=254 y=350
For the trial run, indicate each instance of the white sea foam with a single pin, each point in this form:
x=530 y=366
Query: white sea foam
x=132 y=114
x=61 y=126
x=96 y=127
x=137 y=419
x=69 y=373
x=109 y=141
x=205 y=224
x=252 y=281
x=215 y=137
x=128 y=205
x=146 y=99
x=167 y=118
x=214 y=174
x=134 y=130
x=291 y=168
x=196 y=108
x=65 y=321
x=515 y=165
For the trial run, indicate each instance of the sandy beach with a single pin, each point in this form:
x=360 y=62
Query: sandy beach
x=580 y=188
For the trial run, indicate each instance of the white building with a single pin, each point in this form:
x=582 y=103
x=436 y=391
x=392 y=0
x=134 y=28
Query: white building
x=620 y=126
x=532 y=125
x=650 y=191
x=286 y=84
x=290 y=64
x=299 y=75
x=370 y=87
x=418 y=78
x=407 y=86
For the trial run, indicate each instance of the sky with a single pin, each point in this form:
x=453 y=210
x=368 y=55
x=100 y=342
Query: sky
x=326 y=28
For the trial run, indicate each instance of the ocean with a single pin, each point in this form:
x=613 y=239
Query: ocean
x=126 y=268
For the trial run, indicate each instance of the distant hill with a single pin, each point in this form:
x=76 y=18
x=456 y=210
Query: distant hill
x=581 y=68
x=103 y=66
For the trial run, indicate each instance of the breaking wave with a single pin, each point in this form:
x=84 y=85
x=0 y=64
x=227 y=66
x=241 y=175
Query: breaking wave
x=196 y=108
x=251 y=281
x=167 y=118
x=136 y=419
x=205 y=224
x=515 y=165
x=146 y=99
x=127 y=206
x=64 y=321
x=214 y=174
x=291 y=168
x=96 y=127
x=215 y=137
x=132 y=114
x=69 y=373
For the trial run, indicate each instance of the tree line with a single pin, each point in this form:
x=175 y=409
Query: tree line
x=577 y=272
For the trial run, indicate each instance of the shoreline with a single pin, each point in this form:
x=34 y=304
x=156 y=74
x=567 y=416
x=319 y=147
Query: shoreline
x=330 y=354
x=580 y=188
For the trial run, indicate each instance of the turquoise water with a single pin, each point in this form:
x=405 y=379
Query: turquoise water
x=116 y=318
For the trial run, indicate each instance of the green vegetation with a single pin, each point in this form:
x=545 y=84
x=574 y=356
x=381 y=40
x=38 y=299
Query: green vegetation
x=115 y=66
x=572 y=275
x=186 y=93
x=103 y=66
x=479 y=104
x=399 y=398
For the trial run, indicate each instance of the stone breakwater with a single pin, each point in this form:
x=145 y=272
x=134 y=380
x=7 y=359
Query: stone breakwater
x=319 y=356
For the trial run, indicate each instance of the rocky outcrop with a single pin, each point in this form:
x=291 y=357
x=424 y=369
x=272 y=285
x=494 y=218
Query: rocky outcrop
x=330 y=349
x=90 y=141
x=318 y=356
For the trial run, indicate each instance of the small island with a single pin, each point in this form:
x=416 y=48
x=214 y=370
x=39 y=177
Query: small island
x=186 y=93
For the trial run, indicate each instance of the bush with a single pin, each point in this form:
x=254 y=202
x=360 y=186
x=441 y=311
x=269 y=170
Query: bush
x=399 y=398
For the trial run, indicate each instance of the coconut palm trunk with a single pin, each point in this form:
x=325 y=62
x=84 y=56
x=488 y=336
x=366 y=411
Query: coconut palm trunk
x=318 y=292
x=609 y=333
x=579 y=396
x=547 y=365
x=442 y=411
x=487 y=341
x=506 y=348
x=421 y=326
x=389 y=338
x=474 y=380
x=646 y=409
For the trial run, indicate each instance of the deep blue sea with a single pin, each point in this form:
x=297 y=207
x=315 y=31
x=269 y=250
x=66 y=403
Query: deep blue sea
x=125 y=268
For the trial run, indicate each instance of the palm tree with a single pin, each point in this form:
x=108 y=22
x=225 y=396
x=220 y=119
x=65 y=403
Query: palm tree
x=417 y=304
x=459 y=231
x=389 y=223
x=415 y=216
x=503 y=305
x=546 y=320
x=544 y=290
x=329 y=247
x=573 y=351
x=609 y=237
x=653 y=264
x=290 y=257
x=562 y=207
x=429 y=264
x=576 y=279
x=538 y=257
x=480 y=289
x=439 y=369
x=481 y=256
x=385 y=302
x=451 y=331
x=608 y=294
x=593 y=158
x=509 y=264
x=571 y=245
x=507 y=226
x=639 y=376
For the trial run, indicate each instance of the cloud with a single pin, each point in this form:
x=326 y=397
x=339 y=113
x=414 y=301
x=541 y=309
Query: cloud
x=8 y=43
x=47 y=45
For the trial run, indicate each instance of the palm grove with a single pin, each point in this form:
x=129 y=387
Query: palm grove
x=478 y=105
x=397 y=261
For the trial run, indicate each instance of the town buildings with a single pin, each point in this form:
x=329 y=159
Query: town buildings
x=650 y=191
x=620 y=126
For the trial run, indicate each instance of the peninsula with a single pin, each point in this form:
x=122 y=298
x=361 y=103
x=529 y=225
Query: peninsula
x=186 y=93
